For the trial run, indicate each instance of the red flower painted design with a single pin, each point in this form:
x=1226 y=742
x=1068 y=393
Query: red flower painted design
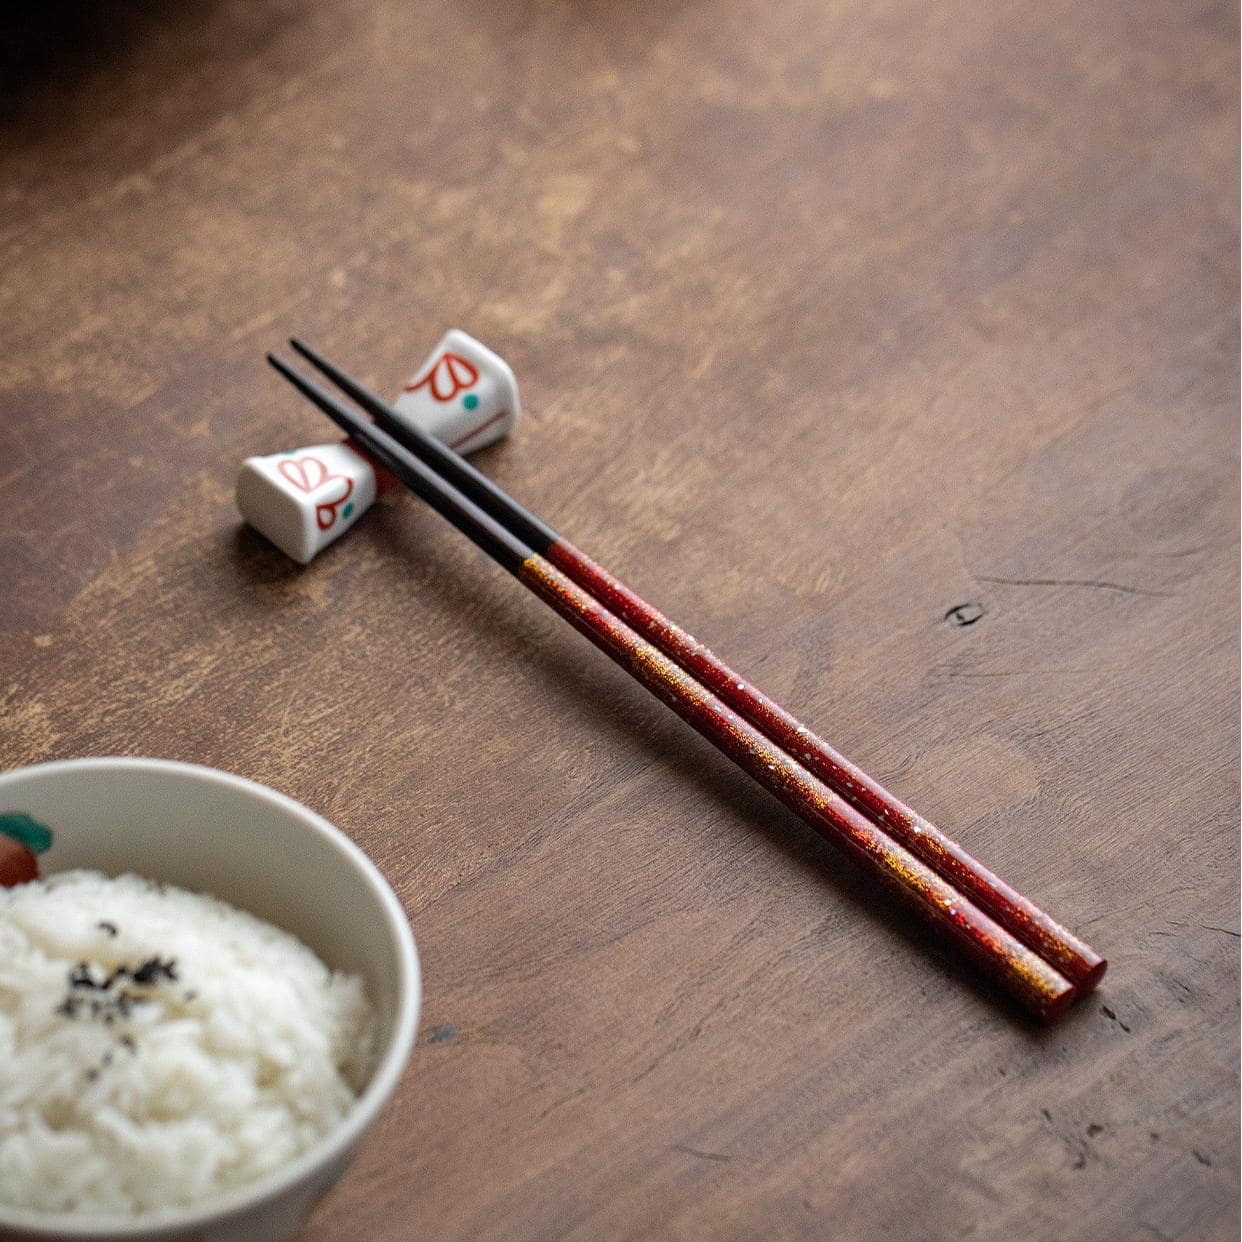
x=447 y=376
x=305 y=473
x=309 y=474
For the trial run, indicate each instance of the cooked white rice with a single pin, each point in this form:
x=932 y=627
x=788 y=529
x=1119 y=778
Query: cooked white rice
x=221 y=1050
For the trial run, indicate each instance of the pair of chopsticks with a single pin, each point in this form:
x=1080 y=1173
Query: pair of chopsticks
x=1038 y=961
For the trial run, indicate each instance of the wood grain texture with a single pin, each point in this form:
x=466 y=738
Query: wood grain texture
x=840 y=326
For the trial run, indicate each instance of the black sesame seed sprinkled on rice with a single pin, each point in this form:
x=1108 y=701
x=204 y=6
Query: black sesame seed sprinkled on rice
x=153 y=970
x=110 y=1001
x=81 y=976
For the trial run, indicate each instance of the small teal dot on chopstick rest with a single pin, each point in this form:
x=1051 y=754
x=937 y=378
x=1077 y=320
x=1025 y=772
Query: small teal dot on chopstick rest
x=349 y=508
x=470 y=400
x=21 y=827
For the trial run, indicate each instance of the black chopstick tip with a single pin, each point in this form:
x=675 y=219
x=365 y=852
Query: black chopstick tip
x=316 y=360
x=290 y=373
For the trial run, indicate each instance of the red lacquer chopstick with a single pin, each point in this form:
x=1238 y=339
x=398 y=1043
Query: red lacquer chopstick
x=1028 y=977
x=1022 y=918
x=1055 y=944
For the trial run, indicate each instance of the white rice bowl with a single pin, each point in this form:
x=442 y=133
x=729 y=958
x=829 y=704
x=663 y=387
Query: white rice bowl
x=160 y=1047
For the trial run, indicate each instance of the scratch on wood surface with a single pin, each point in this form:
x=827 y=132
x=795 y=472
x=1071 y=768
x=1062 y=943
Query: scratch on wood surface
x=270 y=316
x=702 y=1155
x=1224 y=931
x=1075 y=582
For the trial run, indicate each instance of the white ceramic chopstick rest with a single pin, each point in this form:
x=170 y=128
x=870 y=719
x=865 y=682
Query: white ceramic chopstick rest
x=303 y=499
x=464 y=394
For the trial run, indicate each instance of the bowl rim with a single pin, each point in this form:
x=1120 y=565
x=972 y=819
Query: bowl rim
x=384 y=1078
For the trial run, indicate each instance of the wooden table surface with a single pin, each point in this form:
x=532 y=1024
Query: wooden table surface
x=892 y=351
